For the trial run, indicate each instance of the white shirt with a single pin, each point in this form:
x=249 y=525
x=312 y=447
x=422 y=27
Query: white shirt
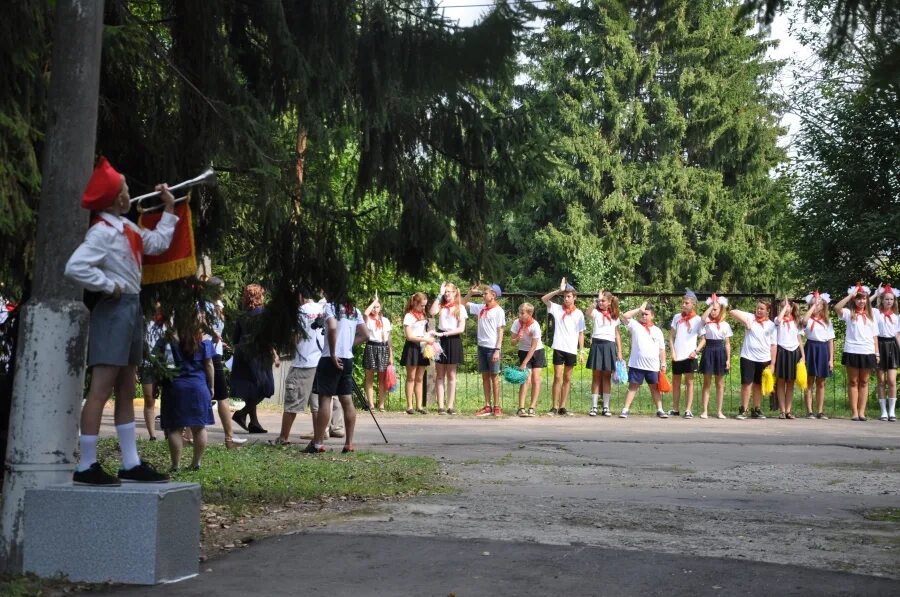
x=603 y=328
x=104 y=259
x=758 y=341
x=820 y=331
x=717 y=330
x=217 y=324
x=447 y=322
x=376 y=334
x=489 y=325
x=532 y=332
x=787 y=335
x=645 y=346
x=568 y=327
x=887 y=328
x=860 y=338
x=346 y=332
x=309 y=349
x=418 y=325
x=686 y=336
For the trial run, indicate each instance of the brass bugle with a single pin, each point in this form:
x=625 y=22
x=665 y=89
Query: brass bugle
x=160 y=206
x=208 y=178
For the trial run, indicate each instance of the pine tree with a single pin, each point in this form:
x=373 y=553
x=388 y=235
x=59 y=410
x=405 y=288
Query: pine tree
x=665 y=139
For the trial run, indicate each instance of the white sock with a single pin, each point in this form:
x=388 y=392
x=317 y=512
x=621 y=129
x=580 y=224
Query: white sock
x=605 y=400
x=883 y=404
x=317 y=446
x=88 y=445
x=594 y=398
x=128 y=444
x=892 y=406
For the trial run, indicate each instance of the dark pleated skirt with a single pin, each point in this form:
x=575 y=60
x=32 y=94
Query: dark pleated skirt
x=817 y=359
x=889 y=354
x=602 y=356
x=452 y=350
x=786 y=363
x=714 y=361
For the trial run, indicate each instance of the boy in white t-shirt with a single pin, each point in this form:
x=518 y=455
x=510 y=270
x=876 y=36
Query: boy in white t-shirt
x=491 y=323
x=683 y=334
x=647 y=359
x=527 y=332
x=568 y=343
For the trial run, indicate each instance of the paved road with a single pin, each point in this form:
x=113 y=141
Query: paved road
x=586 y=506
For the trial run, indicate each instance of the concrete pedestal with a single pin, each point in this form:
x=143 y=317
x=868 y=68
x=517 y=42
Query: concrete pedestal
x=139 y=533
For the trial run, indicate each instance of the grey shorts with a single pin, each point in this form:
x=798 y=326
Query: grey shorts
x=298 y=389
x=116 y=335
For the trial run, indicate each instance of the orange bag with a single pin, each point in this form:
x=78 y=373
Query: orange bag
x=664 y=386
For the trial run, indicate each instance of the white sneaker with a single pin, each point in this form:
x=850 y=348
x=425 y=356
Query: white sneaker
x=662 y=414
x=593 y=412
x=721 y=416
x=704 y=416
x=883 y=418
x=606 y=412
x=623 y=414
x=238 y=441
x=688 y=414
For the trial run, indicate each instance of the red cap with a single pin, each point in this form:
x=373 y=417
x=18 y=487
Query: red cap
x=103 y=188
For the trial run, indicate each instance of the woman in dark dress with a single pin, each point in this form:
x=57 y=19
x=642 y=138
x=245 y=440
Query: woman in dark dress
x=251 y=376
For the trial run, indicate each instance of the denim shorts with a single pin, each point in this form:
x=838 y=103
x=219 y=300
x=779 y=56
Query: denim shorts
x=638 y=376
x=485 y=365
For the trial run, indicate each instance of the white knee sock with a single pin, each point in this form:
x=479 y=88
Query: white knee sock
x=883 y=404
x=594 y=398
x=892 y=406
x=605 y=400
x=128 y=444
x=88 y=450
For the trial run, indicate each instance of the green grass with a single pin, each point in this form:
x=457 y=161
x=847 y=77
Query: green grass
x=883 y=514
x=261 y=475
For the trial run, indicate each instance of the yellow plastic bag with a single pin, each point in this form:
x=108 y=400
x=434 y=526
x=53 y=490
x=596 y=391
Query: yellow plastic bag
x=768 y=381
x=801 y=376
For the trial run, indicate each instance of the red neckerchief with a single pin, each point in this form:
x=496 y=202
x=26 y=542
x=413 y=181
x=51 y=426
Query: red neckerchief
x=378 y=323
x=568 y=311
x=787 y=319
x=647 y=326
x=686 y=319
x=715 y=321
x=862 y=313
x=888 y=315
x=816 y=320
x=417 y=315
x=485 y=310
x=135 y=241
x=449 y=306
x=348 y=309
x=761 y=320
x=605 y=315
x=523 y=327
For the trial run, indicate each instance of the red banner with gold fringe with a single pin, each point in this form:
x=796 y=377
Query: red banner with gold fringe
x=180 y=260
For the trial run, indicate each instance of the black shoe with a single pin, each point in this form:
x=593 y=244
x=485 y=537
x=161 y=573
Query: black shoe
x=310 y=448
x=563 y=412
x=251 y=428
x=241 y=419
x=142 y=473
x=95 y=475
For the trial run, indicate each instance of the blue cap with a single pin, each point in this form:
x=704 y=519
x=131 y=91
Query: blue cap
x=496 y=289
x=570 y=288
x=690 y=294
